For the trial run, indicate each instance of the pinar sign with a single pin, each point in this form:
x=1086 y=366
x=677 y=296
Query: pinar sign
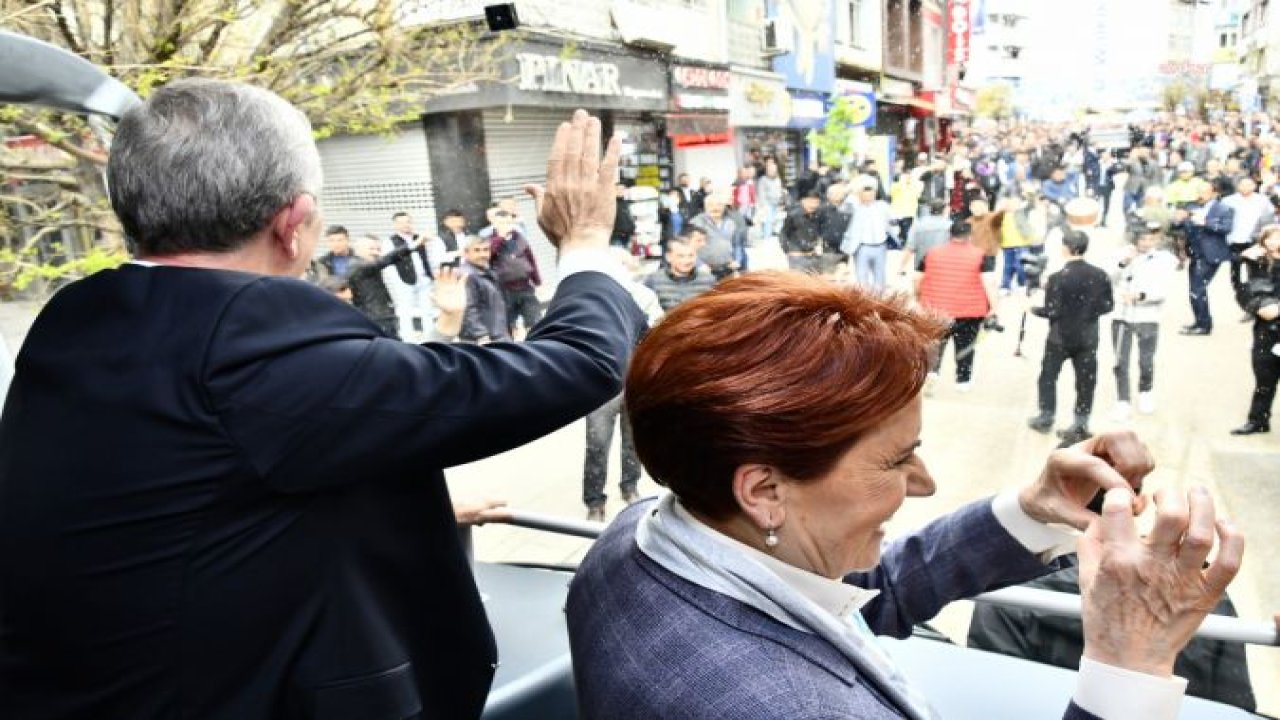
x=959 y=25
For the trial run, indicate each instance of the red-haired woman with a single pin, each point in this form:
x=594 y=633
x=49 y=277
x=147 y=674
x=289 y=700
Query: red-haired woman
x=783 y=414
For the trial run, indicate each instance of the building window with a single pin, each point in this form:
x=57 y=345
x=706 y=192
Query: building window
x=856 y=36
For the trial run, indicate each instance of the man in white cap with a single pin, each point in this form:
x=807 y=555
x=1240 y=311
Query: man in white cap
x=865 y=240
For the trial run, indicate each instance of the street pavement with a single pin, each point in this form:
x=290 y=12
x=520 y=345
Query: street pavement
x=977 y=443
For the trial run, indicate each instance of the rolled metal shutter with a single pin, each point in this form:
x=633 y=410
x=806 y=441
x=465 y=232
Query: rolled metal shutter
x=517 y=145
x=368 y=178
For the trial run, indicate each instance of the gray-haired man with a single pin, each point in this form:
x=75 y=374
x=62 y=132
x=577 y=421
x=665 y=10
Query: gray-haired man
x=254 y=523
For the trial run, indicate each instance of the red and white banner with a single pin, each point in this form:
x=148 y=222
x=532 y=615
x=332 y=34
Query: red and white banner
x=959 y=26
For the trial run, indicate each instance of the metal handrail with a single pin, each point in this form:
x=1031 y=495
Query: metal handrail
x=1048 y=602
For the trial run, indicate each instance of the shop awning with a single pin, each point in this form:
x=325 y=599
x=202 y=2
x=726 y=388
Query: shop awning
x=697 y=124
x=914 y=102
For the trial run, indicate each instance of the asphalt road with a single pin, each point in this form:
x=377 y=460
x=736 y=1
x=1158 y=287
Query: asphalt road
x=978 y=443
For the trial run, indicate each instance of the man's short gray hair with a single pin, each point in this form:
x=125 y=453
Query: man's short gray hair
x=203 y=165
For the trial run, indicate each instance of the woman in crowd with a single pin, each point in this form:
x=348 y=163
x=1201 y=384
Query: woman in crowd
x=783 y=413
x=1259 y=295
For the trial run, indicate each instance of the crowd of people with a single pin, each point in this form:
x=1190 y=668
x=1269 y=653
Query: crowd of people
x=256 y=522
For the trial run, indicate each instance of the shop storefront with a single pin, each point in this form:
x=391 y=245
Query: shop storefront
x=759 y=111
x=698 y=123
x=810 y=74
x=491 y=140
x=903 y=113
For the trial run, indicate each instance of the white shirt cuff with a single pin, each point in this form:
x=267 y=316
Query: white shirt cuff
x=1114 y=693
x=1048 y=541
x=599 y=260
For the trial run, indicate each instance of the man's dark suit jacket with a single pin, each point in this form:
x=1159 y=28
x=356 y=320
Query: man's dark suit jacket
x=221 y=497
x=1074 y=298
x=1209 y=241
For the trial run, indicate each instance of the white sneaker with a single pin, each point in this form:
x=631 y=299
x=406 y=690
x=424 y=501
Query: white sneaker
x=1122 y=412
x=1146 y=403
x=964 y=387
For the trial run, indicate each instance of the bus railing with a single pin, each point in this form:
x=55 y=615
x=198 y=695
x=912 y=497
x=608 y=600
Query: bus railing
x=1046 y=602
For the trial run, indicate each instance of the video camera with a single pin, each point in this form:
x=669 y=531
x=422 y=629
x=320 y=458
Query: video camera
x=1034 y=266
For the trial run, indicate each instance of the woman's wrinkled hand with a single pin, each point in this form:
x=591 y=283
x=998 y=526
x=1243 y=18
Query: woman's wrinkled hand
x=1072 y=476
x=1144 y=598
x=576 y=208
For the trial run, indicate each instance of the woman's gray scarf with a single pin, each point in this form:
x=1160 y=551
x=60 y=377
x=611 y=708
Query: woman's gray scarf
x=670 y=539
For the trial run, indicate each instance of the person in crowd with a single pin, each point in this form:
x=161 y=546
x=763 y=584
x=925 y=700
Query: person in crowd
x=743 y=197
x=871 y=170
x=1214 y=669
x=670 y=220
x=409 y=279
x=723 y=229
x=601 y=421
x=1074 y=298
x=510 y=206
x=1185 y=188
x=336 y=262
x=936 y=184
x=904 y=203
x=801 y=236
x=765 y=566
x=716 y=258
x=1259 y=295
x=681 y=277
x=369 y=291
x=1152 y=209
x=1017 y=233
x=624 y=224
x=1143 y=173
x=689 y=206
x=986 y=227
x=1248 y=210
x=705 y=188
x=485 y=318
x=957 y=280
x=964 y=191
x=512 y=261
x=929 y=232
x=1206 y=226
x=833 y=221
x=865 y=240
x=771 y=199
x=246 y=438
x=1110 y=167
x=1140 y=280
x=446 y=248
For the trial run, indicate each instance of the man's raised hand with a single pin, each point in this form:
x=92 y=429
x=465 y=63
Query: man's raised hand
x=576 y=207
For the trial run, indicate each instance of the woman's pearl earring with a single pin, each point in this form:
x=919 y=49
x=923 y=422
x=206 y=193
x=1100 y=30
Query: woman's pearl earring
x=771 y=538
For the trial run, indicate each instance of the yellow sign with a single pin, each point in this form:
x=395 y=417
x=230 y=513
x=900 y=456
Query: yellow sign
x=862 y=109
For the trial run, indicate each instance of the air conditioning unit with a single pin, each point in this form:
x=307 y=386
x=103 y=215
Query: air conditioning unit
x=776 y=37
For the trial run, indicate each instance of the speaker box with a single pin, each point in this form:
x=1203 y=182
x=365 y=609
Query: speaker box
x=501 y=17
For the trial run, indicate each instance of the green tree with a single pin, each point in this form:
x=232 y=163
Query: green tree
x=994 y=101
x=353 y=66
x=835 y=140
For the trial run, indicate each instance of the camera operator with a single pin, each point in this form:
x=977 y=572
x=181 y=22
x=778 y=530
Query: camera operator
x=958 y=280
x=1259 y=295
x=1074 y=298
x=1141 y=278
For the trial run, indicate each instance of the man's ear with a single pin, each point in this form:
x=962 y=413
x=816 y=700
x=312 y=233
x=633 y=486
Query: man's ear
x=288 y=220
x=761 y=494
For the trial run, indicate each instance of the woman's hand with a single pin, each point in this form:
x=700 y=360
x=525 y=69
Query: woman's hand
x=1269 y=312
x=1143 y=598
x=576 y=208
x=1072 y=476
x=478 y=513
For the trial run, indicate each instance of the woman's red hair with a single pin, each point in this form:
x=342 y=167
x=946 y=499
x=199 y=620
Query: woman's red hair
x=775 y=368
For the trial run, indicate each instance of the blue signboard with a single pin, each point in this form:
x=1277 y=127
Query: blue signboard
x=978 y=23
x=863 y=105
x=806 y=30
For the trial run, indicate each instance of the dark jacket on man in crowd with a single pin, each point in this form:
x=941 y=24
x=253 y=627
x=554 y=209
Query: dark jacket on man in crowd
x=1074 y=298
x=486 y=313
x=801 y=231
x=673 y=289
x=368 y=292
x=832 y=222
x=404 y=264
x=624 y=225
x=1209 y=241
x=513 y=262
x=335 y=265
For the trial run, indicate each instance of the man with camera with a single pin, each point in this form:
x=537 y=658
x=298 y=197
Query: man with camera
x=1074 y=298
